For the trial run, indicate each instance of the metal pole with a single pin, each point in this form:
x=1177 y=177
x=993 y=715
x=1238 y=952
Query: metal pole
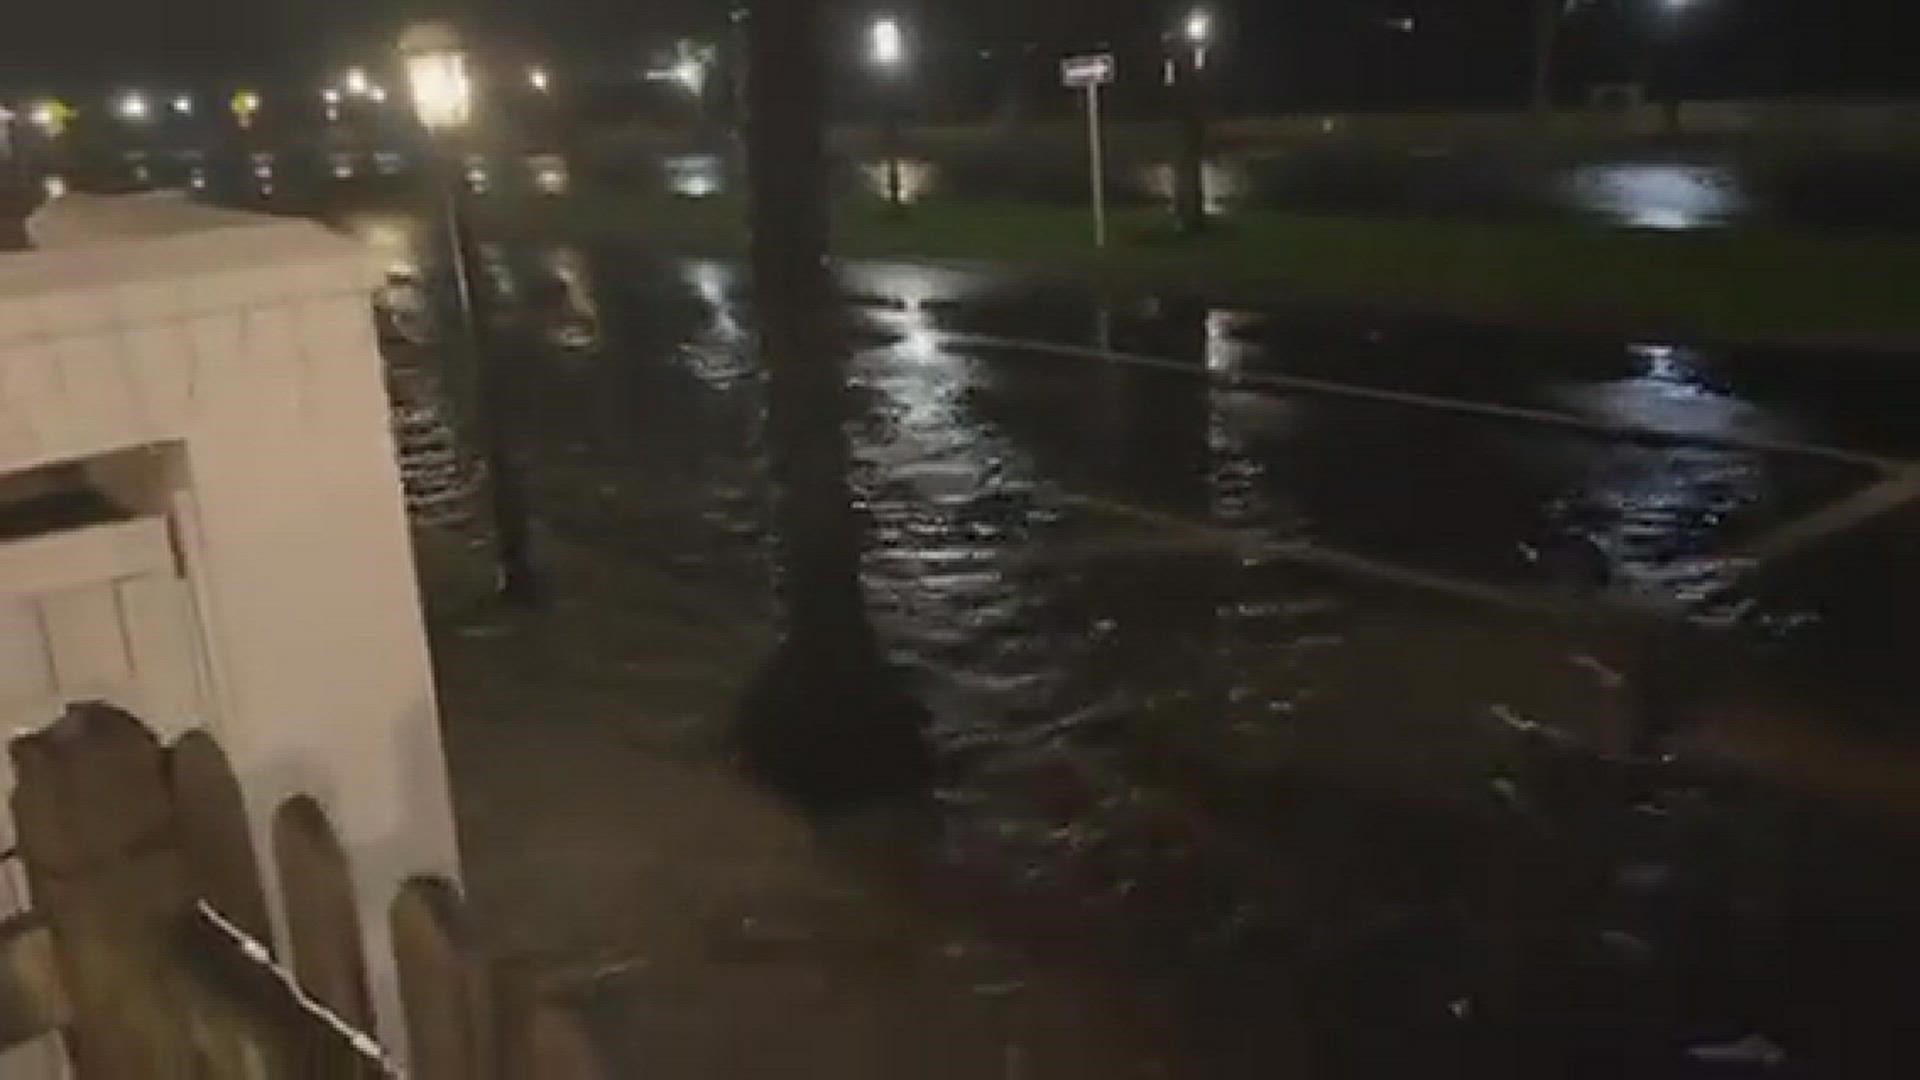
x=1098 y=153
x=518 y=583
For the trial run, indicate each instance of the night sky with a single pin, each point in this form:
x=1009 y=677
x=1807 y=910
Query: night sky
x=1282 y=53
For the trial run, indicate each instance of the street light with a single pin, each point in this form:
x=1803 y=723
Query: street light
x=50 y=117
x=436 y=67
x=888 y=50
x=183 y=104
x=889 y=45
x=1187 y=47
x=1199 y=28
x=539 y=79
x=357 y=82
x=692 y=74
x=132 y=107
x=245 y=105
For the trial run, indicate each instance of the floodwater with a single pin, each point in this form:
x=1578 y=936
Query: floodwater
x=1285 y=706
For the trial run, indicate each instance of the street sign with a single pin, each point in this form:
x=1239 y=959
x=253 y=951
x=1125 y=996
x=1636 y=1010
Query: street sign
x=1089 y=73
x=1082 y=72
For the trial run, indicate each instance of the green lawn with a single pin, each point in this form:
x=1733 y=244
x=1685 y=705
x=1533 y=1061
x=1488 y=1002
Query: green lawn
x=1744 y=285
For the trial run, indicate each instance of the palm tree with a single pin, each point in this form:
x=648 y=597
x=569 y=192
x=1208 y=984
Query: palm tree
x=825 y=721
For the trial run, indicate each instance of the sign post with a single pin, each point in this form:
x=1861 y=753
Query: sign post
x=1090 y=73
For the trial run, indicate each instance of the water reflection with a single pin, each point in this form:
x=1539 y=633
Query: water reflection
x=1671 y=388
x=573 y=323
x=695 y=176
x=917 y=178
x=551 y=174
x=478 y=174
x=1225 y=184
x=1660 y=196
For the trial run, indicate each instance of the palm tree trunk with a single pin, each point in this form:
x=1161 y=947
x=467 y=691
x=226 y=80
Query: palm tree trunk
x=824 y=721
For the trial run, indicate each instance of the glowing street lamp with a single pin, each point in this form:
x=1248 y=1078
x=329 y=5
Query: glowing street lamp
x=1200 y=28
x=888 y=45
x=692 y=74
x=245 y=106
x=50 y=117
x=436 y=66
x=132 y=107
x=539 y=79
x=357 y=82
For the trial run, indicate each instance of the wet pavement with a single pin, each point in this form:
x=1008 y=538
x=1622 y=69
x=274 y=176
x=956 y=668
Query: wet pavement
x=1295 y=709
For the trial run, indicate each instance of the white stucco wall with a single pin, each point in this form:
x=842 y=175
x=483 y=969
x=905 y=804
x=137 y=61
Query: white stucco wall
x=247 y=341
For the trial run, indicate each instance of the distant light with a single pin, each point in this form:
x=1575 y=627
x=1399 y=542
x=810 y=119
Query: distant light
x=50 y=117
x=889 y=44
x=437 y=74
x=1404 y=24
x=183 y=104
x=245 y=104
x=133 y=107
x=1200 y=27
x=377 y=94
x=330 y=96
x=550 y=176
x=54 y=185
x=357 y=82
x=538 y=78
x=691 y=74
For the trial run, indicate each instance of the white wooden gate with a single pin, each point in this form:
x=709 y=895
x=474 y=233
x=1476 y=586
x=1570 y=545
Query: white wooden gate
x=97 y=613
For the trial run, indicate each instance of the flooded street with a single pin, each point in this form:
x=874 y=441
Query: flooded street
x=1422 y=717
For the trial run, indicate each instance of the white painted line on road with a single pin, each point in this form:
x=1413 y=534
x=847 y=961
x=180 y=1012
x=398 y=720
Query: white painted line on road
x=1307 y=553
x=1464 y=406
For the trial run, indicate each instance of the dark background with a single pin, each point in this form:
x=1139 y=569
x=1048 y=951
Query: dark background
x=1276 y=54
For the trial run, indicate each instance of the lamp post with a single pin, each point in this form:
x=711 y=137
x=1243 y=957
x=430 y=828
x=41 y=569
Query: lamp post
x=436 y=68
x=1672 y=14
x=888 y=52
x=1185 y=65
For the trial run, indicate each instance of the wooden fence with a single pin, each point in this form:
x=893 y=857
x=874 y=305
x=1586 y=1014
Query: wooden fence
x=145 y=949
